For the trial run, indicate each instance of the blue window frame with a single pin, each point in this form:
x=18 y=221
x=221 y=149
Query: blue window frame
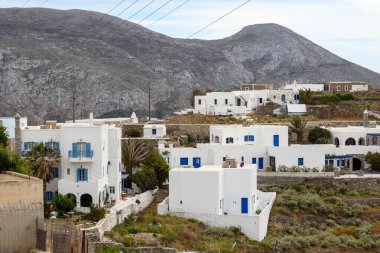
x=338 y=163
x=254 y=160
x=56 y=172
x=249 y=138
x=343 y=163
x=300 y=161
x=276 y=140
x=244 y=205
x=261 y=163
x=49 y=196
x=196 y=162
x=82 y=175
x=183 y=161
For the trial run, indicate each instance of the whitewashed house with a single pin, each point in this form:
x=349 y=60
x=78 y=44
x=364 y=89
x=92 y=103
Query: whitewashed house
x=90 y=165
x=296 y=87
x=154 y=131
x=241 y=102
x=222 y=196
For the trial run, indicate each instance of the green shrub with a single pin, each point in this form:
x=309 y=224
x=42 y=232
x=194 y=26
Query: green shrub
x=96 y=214
x=113 y=249
x=220 y=232
x=258 y=211
x=145 y=179
x=63 y=204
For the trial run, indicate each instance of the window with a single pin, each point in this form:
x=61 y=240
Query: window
x=68 y=171
x=224 y=158
x=226 y=101
x=199 y=101
x=82 y=175
x=49 y=196
x=249 y=138
x=183 y=161
x=346 y=88
x=254 y=160
x=81 y=147
x=242 y=158
x=338 y=88
x=112 y=189
x=246 y=88
x=238 y=102
x=28 y=145
x=300 y=161
x=56 y=173
x=229 y=140
x=261 y=100
x=154 y=131
x=274 y=97
x=215 y=101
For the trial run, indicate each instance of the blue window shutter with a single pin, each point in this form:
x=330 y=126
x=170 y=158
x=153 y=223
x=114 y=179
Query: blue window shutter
x=86 y=175
x=46 y=195
x=184 y=161
x=78 y=174
x=261 y=163
x=338 y=163
x=244 y=205
x=300 y=161
x=343 y=163
x=88 y=149
x=252 y=138
x=46 y=144
x=254 y=160
x=246 y=138
x=25 y=145
x=276 y=140
x=56 y=173
x=75 y=150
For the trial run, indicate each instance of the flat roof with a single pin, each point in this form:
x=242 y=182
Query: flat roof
x=12 y=177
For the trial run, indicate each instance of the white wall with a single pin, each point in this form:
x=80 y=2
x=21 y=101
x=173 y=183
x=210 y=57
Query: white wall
x=160 y=131
x=298 y=87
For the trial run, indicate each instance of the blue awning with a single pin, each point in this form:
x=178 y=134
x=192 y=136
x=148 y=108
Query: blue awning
x=373 y=134
x=339 y=157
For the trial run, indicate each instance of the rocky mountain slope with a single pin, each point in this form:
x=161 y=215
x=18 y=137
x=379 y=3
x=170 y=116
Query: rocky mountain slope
x=48 y=56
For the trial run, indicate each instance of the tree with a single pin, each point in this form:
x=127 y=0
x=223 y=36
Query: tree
x=297 y=126
x=133 y=153
x=306 y=96
x=145 y=179
x=63 y=204
x=11 y=161
x=374 y=160
x=154 y=161
x=319 y=135
x=42 y=161
x=4 y=137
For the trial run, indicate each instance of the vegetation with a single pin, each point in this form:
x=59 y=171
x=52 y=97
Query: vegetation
x=202 y=119
x=297 y=126
x=198 y=92
x=306 y=96
x=133 y=133
x=42 y=161
x=12 y=162
x=155 y=162
x=305 y=218
x=319 y=135
x=145 y=179
x=96 y=214
x=63 y=204
x=133 y=153
x=374 y=160
x=4 y=138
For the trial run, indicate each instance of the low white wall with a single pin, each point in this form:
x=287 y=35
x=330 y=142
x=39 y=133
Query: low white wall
x=121 y=210
x=254 y=227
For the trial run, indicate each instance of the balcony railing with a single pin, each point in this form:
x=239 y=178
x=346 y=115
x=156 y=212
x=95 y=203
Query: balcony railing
x=81 y=156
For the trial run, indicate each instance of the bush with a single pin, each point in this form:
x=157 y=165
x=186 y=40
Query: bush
x=374 y=160
x=319 y=135
x=96 y=214
x=220 y=232
x=155 y=162
x=145 y=179
x=63 y=204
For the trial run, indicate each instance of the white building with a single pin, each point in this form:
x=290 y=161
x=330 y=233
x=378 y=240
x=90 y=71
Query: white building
x=241 y=102
x=10 y=123
x=296 y=87
x=112 y=121
x=223 y=197
x=90 y=165
x=154 y=131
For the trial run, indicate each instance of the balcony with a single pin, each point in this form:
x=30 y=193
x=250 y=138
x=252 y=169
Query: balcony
x=87 y=156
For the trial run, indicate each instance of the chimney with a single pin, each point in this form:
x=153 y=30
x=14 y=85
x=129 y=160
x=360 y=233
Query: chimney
x=230 y=162
x=17 y=134
x=365 y=116
x=91 y=118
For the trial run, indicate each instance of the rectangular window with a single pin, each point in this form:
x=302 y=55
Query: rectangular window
x=229 y=140
x=238 y=101
x=215 y=101
x=154 y=131
x=112 y=189
x=244 y=205
x=68 y=171
x=82 y=175
x=242 y=158
x=183 y=161
x=226 y=101
x=338 y=88
x=254 y=160
x=260 y=100
x=81 y=149
x=300 y=161
x=276 y=140
x=342 y=163
x=199 y=101
x=346 y=88
x=224 y=158
x=56 y=172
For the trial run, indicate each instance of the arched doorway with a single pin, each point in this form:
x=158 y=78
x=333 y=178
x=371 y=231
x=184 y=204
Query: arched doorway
x=356 y=164
x=85 y=200
x=283 y=98
x=72 y=197
x=337 y=143
x=362 y=142
x=350 y=142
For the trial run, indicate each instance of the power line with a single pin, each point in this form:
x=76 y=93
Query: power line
x=117 y=15
x=43 y=3
x=25 y=3
x=167 y=14
x=130 y=17
x=218 y=19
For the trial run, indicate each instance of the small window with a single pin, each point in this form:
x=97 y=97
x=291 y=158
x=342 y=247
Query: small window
x=154 y=131
x=338 y=88
x=224 y=158
x=300 y=161
x=229 y=140
x=184 y=161
x=199 y=101
x=246 y=88
x=112 y=189
x=226 y=101
x=68 y=171
x=346 y=88
x=215 y=101
x=261 y=100
x=242 y=158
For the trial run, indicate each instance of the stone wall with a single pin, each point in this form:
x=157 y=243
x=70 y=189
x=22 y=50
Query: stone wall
x=334 y=111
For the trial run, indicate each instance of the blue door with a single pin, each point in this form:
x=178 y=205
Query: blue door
x=261 y=163
x=244 y=205
x=196 y=162
x=276 y=140
x=254 y=160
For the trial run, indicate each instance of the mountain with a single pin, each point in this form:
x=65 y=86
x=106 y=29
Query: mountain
x=49 y=56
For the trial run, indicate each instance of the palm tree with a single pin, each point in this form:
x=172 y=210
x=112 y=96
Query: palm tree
x=306 y=96
x=133 y=153
x=297 y=126
x=42 y=161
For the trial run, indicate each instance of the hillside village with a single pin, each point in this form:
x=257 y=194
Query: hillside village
x=223 y=173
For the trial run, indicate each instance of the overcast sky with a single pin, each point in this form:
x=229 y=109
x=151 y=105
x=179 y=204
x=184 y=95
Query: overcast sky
x=348 y=28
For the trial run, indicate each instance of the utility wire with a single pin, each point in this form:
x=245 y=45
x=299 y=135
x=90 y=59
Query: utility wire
x=43 y=3
x=167 y=14
x=135 y=24
x=112 y=29
x=25 y=3
x=207 y=26
x=117 y=15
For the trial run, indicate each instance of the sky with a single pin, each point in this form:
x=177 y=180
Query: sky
x=348 y=28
